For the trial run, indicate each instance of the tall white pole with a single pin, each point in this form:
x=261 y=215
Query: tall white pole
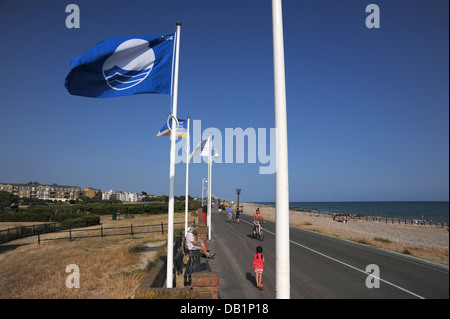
x=281 y=150
x=188 y=150
x=173 y=138
x=203 y=189
x=208 y=219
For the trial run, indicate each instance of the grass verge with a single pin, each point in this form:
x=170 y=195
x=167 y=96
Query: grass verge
x=111 y=267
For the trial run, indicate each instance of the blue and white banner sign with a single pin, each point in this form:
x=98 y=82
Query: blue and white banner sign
x=123 y=66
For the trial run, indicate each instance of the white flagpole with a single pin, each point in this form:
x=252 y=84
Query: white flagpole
x=188 y=150
x=282 y=177
x=208 y=219
x=173 y=138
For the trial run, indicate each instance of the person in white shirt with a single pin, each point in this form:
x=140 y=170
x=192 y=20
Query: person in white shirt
x=192 y=244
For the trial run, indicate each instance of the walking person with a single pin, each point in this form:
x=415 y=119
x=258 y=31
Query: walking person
x=258 y=265
x=238 y=214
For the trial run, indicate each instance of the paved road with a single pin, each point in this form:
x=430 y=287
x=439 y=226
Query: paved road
x=321 y=266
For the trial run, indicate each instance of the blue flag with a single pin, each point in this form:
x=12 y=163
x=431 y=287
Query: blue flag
x=123 y=66
x=181 y=129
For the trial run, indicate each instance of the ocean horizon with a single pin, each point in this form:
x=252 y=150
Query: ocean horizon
x=437 y=211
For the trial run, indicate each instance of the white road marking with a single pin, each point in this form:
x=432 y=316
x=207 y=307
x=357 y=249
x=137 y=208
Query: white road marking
x=345 y=264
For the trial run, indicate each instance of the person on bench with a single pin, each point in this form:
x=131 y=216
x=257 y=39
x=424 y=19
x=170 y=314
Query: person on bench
x=192 y=244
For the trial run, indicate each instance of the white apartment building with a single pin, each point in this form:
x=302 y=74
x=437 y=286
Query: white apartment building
x=122 y=196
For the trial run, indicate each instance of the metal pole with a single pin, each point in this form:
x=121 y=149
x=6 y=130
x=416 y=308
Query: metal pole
x=208 y=218
x=282 y=177
x=238 y=192
x=186 y=208
x=173 y=137
x=203 y=188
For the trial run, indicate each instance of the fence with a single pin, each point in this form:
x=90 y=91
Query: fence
x=386 y=220
x=71 y=234
x=393 y=220
x=25 y=231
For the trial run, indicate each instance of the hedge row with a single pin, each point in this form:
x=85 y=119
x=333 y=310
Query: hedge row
x=87 y=220
x=62 y=213
x=108 y=209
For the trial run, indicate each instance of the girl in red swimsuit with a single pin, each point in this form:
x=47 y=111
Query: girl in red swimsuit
x=258 y=262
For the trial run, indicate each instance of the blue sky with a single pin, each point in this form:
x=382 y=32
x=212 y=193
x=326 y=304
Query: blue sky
x=368 y=109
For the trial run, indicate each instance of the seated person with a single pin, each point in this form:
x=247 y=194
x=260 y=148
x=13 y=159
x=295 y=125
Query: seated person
x=192 y=244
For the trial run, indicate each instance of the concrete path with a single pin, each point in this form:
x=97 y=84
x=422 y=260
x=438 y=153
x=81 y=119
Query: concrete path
x=321 y=266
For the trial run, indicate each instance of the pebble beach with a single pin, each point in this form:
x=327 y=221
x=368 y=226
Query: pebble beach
x=392 y=236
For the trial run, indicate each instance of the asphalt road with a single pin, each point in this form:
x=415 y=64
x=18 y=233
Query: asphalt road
x=321 y=266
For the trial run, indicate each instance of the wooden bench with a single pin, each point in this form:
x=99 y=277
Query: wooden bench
x=192 y=265
x=178 y=261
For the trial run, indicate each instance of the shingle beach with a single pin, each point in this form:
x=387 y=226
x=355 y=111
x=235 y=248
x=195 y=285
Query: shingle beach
x=411 y=237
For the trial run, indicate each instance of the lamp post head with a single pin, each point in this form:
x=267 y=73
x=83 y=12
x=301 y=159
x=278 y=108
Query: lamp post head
x=238 y=191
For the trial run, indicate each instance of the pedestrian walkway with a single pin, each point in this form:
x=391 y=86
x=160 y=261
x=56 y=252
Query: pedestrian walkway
x=235 y=247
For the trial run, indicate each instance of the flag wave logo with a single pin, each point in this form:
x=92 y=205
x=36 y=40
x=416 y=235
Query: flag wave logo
x=129 y=65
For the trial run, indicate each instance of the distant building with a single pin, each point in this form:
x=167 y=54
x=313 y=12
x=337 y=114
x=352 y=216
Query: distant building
x=92 y=192
x=106 y=195
x=49 y=192
x=122 y=196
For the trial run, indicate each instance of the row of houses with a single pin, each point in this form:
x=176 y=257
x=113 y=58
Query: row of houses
x=50 y=192
x=65 y=193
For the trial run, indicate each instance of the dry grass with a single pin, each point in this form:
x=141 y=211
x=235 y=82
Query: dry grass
x=110 y=267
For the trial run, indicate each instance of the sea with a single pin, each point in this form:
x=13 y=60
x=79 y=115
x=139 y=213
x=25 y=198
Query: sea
x=429 y=211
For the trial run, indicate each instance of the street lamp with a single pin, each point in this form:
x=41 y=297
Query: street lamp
x=238 y=192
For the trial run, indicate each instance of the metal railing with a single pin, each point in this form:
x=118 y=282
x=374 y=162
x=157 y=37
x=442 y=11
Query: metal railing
x=72 y=233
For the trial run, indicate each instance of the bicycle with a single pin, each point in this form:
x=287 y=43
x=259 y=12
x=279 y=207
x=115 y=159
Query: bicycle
x=259 y=234
x=229 y=217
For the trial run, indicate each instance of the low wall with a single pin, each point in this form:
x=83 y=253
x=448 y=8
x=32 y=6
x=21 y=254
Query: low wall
x=204 y=285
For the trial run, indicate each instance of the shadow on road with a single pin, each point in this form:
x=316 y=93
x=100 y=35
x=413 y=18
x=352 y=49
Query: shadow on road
x=251 y=278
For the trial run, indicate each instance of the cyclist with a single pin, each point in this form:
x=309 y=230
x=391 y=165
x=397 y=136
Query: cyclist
x=230 y=212
x=256 y=216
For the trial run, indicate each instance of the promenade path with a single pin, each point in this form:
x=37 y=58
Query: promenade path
x=321 y=266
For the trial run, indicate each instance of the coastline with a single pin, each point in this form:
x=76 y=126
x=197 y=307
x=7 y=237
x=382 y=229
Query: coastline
x=423 y=241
